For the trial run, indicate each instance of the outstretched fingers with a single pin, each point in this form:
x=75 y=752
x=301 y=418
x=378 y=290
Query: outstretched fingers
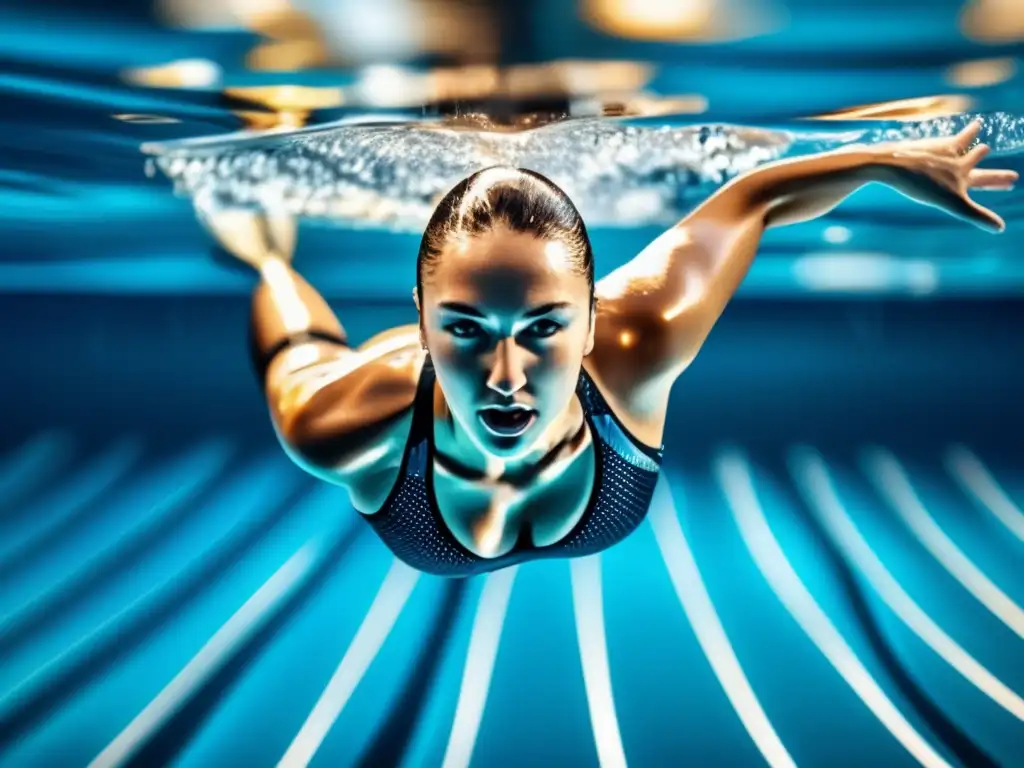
x=992 y=179
x=965 y=138
x=976 y=155
x=981 y=216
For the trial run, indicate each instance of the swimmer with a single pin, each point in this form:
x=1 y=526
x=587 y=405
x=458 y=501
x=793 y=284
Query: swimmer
x=523 y=416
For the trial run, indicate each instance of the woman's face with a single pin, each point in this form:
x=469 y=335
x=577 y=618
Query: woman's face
x=507 y=321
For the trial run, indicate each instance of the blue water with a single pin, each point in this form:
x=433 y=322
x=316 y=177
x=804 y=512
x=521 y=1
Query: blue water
x=177 y=593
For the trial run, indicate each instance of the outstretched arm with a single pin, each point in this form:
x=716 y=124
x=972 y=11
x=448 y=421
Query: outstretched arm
x=656 y=311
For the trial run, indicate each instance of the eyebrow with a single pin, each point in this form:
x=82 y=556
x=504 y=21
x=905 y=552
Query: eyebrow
x=471 y=311
x=545 y=308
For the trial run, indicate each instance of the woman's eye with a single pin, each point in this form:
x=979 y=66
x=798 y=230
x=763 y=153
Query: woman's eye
x=543 y=328
x=465 y=329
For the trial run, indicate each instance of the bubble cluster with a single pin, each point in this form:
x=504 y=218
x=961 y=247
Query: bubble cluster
x=1002 y=131
x=617 y=174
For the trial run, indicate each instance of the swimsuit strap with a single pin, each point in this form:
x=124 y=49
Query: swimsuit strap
x=421 y=431
x=612 y=431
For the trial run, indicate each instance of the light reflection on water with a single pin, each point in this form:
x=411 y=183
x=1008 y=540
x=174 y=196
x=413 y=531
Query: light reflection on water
x=652 y=108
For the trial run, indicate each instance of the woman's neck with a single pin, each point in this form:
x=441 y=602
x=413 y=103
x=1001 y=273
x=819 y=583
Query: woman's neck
x=461 y=455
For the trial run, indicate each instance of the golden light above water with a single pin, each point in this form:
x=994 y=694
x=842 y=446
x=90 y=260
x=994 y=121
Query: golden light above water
x=982 y=73
x=185 y=73
x=343 y=32
x=922 y=108
x=284 y=106
x=993 y=21
x=295 y=40
x=683 y=20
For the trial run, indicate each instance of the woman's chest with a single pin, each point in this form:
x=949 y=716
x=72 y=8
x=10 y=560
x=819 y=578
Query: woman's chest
x=489 y=518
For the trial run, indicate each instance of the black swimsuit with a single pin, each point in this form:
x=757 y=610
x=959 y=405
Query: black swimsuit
x=412 y=528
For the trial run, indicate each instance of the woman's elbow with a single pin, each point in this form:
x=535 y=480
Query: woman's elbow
x=307 y=444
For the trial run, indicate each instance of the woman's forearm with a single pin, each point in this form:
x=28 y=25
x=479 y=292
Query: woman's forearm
x=800 y=189
x=285 y=306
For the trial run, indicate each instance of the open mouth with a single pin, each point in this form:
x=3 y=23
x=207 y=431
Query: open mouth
x=507 y=421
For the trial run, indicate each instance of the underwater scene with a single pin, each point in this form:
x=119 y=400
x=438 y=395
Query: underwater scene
x=829 y=570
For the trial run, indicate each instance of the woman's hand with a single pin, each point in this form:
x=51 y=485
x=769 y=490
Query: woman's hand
x=252 y=237
x=942 y=172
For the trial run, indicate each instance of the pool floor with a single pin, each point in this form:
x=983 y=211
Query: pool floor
x=204 y=603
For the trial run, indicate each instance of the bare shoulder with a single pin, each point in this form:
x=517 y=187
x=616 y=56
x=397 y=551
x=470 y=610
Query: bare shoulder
x=346 y=416
x=644 y=310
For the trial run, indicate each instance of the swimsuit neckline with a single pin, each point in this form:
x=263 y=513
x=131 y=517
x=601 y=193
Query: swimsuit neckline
x=523 y=545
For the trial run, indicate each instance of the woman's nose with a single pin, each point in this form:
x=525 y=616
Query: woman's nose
x=508 y=372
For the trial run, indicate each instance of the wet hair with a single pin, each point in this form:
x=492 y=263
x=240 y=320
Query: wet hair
x=522 y=200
